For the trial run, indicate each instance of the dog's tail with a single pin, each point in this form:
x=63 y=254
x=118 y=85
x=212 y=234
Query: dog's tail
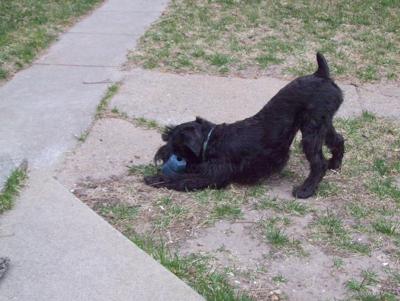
x=323 y=69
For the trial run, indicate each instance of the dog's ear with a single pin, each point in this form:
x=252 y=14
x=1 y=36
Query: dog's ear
x=167 y=132
x=200 y=120
x=192 y=138
x=163 y=154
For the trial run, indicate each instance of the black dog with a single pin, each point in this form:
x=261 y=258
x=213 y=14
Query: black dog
x=248 y=150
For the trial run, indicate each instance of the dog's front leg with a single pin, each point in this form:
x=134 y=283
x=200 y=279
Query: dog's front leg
x=204 y=176
x=192 y=182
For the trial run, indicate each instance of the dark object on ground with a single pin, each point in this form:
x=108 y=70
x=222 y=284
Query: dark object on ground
x=256 y=147
x=174 y=166
x=4 y=263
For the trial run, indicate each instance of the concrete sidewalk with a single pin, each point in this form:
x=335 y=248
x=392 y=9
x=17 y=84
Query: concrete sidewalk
x=44 y=106
x=60 y=249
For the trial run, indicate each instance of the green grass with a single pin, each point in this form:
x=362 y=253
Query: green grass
x=366 y=289
x=27 y=27
x=224 y=203
x=11 y=188
x=333 y=232
x=148 y=124
x=327 y=189
x=360 y=38
x=385 y=188
x=171 y=212
x=227 y=211
x=144 y=170
x=292 y=207
x=274 y=233
x=279 y=279
x=194 y=270
x=338 y=262
x=385 y=226
x=119 y=211
x=83 y=136
x=103 y=105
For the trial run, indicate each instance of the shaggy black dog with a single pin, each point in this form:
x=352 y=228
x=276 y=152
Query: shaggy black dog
x=248 y=150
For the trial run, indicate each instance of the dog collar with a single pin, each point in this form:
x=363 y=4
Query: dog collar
x=205 y=144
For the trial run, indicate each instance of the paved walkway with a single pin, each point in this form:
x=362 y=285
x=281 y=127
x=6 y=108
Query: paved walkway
x=60 y=249
x=174 y=98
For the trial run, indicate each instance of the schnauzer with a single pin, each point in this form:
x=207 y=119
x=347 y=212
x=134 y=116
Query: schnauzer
x=256 y=147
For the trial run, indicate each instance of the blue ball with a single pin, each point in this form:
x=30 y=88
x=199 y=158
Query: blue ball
x=173 y=166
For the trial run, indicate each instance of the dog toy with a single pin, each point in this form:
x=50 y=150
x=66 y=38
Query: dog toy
x=173 y=166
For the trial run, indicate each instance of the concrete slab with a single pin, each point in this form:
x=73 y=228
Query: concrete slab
x=134 y=5
x=351 y=106
x=118 y=22
x=89 y=50
x=173 y=98
x=43 y=107
x=112 y=145
x=81 y=257
x=381 y=101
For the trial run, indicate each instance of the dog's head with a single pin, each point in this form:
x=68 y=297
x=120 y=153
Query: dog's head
x=184 y=140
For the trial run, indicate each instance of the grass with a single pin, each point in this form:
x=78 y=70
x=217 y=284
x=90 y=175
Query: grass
x=121 y=212
x=292 y=207
x=275 y=235
x=279 y=279
x=223 y=203
x=338 y=262
x=367 y=288
x=326 y=189
x=360 y=38
x=171 y=212
x=333 y=232
x=13 y=185
x=194 y=270
x=83 y=136
x=386 y=227
x=144 y=170
x=104 y=102
x=148 y=124
x=27 y=27
x=137 y=121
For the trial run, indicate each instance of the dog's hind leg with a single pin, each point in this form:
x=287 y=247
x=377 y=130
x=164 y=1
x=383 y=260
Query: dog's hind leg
x=313 y=135
x=335 y=143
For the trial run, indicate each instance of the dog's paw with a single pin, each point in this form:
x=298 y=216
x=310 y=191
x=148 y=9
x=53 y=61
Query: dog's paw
x=334 y=164
x=302 y=192
x=155 y=181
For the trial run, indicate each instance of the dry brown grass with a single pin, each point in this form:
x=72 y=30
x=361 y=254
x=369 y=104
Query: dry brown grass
x=252 y=38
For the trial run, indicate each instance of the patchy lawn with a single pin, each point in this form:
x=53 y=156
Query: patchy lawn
x=27 y=27
x=361 y=39
x=258 y=243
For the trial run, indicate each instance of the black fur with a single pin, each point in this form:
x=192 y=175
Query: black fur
x=256 y=147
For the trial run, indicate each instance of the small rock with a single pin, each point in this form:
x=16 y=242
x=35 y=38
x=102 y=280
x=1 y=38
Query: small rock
x=275 y=295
